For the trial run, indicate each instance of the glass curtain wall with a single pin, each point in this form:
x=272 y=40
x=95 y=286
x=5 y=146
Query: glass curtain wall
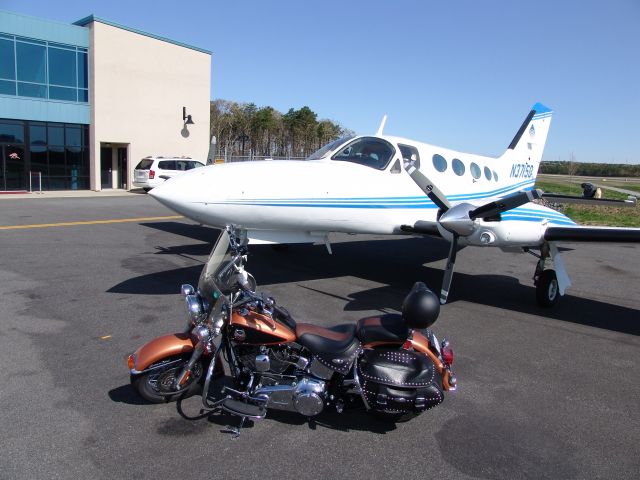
x=47 y=70
x=58 y=151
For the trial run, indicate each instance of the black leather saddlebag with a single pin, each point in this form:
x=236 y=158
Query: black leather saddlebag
x=399 y=381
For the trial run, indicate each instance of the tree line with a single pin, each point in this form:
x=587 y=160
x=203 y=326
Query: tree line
x=242 y=129
x=590 y=169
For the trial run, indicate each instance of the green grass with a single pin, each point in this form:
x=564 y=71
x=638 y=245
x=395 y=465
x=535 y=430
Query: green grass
x=626 y=185
x=602 y=215
x=566 y=188
x=560 y=188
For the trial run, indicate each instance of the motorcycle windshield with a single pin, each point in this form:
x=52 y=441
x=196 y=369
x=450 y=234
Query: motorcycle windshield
x=218 y=271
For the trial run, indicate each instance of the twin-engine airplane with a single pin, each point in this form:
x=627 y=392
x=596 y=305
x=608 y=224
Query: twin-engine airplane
x=388 y=185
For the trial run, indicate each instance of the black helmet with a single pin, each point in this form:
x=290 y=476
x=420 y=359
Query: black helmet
x=421 y=307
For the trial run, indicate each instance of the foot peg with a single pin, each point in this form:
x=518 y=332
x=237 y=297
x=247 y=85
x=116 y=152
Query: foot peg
x=243 y=410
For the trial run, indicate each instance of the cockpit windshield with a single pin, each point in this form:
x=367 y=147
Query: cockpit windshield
x=368 y=151
x=328 y=148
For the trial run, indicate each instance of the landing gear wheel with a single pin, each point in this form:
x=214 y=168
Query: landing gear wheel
x=157 y=386
x=547 y=291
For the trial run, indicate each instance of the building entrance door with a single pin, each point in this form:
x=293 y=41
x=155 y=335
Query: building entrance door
x=122 y=168
x=106 y=164
x=13 y=175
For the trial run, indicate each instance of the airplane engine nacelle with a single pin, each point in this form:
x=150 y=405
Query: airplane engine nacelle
x=500 y=234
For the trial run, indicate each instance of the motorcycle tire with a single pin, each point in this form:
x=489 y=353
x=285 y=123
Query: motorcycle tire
x=155 y=386
x=393 y=417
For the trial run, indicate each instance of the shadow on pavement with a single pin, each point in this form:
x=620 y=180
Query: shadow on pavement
x=126 y=394
x=395 y=263
x=350 y=419
x=189 y=230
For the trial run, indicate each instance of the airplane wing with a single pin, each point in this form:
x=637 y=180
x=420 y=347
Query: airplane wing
x=592 y=234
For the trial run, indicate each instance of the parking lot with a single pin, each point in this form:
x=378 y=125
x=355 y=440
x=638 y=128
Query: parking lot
x=543 y=393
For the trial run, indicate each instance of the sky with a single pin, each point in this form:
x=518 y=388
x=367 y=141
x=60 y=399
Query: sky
x=461 y=74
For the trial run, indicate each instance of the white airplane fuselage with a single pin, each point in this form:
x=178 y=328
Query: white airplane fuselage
x=385 y=185
x=293 y=201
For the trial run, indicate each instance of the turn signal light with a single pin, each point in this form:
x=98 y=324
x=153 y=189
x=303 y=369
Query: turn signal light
x=152 y=174
x=447 y=353
x=185 y=378
x=131 y=361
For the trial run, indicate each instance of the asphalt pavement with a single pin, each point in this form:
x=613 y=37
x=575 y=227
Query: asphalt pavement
x=543 y=393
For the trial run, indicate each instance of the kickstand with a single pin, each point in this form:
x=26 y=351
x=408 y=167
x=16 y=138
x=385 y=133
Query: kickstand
x=234 y=430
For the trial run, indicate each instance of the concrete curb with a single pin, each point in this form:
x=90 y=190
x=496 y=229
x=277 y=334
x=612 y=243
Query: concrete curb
x=72 y=194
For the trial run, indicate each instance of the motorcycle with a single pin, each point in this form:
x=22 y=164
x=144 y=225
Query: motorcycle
x=391 y=364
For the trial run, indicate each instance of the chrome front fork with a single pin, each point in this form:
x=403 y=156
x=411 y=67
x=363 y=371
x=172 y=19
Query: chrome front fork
x=207 y=380
x=202 y=333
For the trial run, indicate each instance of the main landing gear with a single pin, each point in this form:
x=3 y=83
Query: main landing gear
x=547 y=293
x=549 y=285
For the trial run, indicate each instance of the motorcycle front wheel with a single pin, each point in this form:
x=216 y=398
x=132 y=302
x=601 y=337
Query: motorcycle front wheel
x=157 y=386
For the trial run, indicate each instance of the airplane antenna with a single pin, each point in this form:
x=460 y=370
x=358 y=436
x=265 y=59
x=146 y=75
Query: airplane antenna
x=381 y=127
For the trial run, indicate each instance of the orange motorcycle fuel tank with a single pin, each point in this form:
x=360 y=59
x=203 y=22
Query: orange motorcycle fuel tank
x=160 y=348
x=253 y=328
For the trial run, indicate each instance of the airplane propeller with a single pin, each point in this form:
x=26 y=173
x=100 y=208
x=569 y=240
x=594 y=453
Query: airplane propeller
x=427 y=186
x=459 y=220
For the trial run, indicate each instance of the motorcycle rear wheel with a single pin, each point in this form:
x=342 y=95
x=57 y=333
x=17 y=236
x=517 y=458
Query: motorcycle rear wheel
x=157 y=386
x=393 y=417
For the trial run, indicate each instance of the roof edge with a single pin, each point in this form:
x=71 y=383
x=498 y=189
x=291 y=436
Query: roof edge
x=83 y=22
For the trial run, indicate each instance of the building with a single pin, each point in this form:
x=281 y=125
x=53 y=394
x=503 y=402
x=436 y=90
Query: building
x=82 y=103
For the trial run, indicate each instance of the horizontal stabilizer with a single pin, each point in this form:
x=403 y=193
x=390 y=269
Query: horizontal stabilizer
x=553 y=197
x=592 y=234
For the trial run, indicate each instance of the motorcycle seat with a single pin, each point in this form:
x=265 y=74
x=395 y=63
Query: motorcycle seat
x=335 y=347
x=319 y=340
x=389 y=328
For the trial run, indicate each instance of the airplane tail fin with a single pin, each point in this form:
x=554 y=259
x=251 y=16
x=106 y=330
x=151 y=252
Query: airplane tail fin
x=525 y=151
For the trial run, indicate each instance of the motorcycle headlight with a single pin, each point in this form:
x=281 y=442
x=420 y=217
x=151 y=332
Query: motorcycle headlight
x=195 y=310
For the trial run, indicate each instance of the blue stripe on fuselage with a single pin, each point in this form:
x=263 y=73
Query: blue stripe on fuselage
x=419 y=202
x=379 y=200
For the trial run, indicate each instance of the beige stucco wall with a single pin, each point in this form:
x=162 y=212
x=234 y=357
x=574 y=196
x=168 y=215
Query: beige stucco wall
x=138 y=86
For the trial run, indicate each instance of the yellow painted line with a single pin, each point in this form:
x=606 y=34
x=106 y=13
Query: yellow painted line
x=90 y=222
x=106 y=337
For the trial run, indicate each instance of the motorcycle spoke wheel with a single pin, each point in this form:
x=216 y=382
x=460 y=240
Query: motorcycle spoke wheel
x=157 y=386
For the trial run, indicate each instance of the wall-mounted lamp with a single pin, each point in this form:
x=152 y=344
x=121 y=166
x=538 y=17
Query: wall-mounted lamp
x=186 y=118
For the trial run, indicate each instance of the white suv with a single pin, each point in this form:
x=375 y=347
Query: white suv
x=152 y=171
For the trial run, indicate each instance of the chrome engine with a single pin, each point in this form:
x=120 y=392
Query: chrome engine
x=282 y=379
x=305 y=396
x=308 y=397
x=275 y=360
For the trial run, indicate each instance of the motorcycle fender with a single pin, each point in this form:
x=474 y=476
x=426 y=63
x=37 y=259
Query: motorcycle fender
x=163 y=347
x=420 y=344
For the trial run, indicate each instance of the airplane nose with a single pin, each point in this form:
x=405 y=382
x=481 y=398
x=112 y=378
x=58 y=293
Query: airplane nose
x=165 y=194
x=179 y=193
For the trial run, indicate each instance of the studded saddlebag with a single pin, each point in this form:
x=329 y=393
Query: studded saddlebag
x=399 y=381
